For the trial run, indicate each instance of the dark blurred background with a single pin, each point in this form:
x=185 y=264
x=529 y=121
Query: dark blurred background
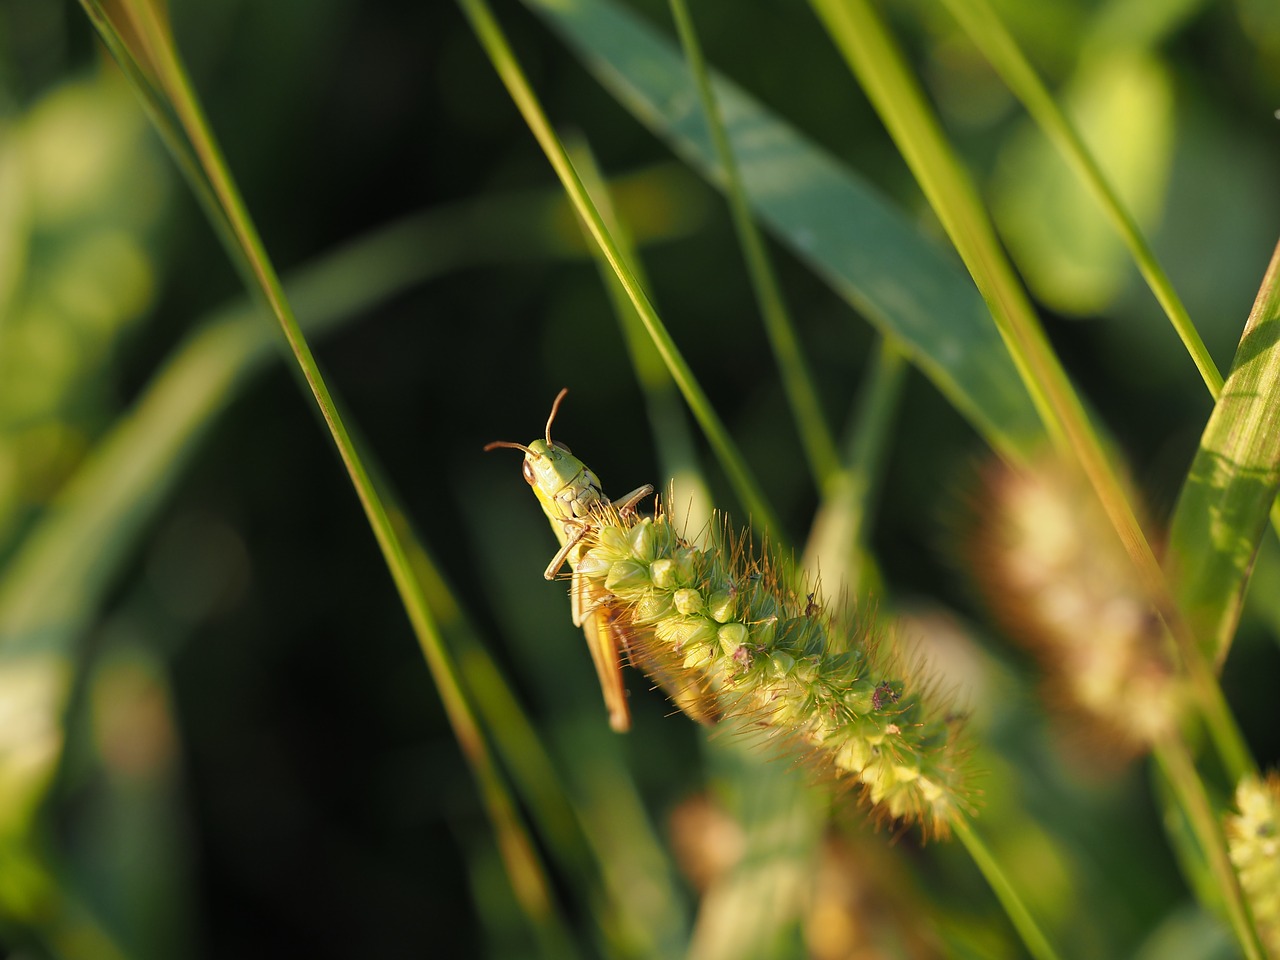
x=318 y=803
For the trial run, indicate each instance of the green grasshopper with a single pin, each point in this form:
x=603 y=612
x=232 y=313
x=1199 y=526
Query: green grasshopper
x=570 y=494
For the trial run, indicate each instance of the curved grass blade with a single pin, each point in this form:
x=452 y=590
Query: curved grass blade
x=871 y=254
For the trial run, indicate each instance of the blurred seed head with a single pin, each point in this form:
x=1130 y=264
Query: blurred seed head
x=1059 y=581
x=860 y=903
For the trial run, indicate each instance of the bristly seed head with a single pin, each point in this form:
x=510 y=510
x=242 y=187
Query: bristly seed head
x=1062 y=585
x=723 y=620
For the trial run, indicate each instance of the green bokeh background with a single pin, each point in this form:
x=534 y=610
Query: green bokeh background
x=257 y=762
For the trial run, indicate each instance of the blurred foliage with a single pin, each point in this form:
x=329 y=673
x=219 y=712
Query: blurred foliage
x=244 y=753
x=85 y=190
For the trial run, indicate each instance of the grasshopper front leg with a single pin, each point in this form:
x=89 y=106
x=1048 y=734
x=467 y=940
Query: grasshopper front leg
x=574 y=531
x=627 y=505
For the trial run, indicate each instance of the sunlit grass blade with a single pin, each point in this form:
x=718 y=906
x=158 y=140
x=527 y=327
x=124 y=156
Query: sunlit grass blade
x=872 y=54
x=1222 y=511
x=871 y=254
x=766 y=877
x=806 y=410
x=677 y=456
x=988 y=32
x=1037 y=944
x=504 y=62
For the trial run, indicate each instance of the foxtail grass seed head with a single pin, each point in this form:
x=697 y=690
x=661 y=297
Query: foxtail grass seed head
x=1062 y=585
x=724 y=621
x=721 y=630
x=1253 y=837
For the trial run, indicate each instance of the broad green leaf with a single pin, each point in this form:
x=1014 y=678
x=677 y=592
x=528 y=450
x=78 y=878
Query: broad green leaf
x=1223 y=508
x=868 y=251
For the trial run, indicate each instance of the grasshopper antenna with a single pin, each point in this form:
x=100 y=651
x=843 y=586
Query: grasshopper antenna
x=555 y=408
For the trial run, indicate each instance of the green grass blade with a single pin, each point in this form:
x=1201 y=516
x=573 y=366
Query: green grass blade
x=988 y=32
x=838 y=539
x=815 y=436
x=53 y=586
x=141 y=29
x=672 y=439
x=870 y=253
x=1223 y=509
x=873 y=56
x=1037 y=945
x=503 y=59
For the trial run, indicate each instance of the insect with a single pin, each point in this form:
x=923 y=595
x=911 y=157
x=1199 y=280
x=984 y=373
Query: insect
x=572 y=498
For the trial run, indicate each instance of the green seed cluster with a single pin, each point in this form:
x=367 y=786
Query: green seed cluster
x=1254 y=840
x=721 y=618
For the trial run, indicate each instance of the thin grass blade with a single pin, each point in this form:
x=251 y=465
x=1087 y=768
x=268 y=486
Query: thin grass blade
x=806 y=410
x=988 y=32
x=500 y=54
x=141 y=29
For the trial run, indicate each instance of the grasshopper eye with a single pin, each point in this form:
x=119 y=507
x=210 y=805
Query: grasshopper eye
x=562 y=446
x=526 y=469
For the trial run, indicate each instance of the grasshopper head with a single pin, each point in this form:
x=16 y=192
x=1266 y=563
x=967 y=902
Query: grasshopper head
x=562 y=483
